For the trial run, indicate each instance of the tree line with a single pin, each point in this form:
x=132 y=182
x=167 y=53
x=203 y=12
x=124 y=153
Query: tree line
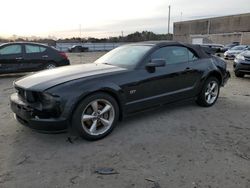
x=133 y=37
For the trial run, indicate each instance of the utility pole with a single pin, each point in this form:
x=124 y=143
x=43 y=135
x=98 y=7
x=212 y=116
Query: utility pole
x=169 y=7
x=80 y=28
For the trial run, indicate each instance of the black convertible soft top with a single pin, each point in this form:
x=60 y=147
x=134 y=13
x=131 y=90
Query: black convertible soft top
x=202 y=53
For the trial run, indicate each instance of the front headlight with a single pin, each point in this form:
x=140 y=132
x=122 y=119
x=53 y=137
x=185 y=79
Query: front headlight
x=50 y=103
x=46 y=98
x=240 y=57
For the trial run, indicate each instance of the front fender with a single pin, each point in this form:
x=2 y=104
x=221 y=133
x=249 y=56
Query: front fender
x=72 y=93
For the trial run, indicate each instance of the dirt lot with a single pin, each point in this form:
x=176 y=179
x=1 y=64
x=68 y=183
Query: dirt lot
x=177 y=145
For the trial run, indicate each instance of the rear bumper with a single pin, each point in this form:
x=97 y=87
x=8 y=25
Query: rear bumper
x=64 y=62
x=26 y=115
x=225 y=78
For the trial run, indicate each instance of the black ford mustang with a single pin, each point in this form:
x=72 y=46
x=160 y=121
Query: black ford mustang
x=93 y=97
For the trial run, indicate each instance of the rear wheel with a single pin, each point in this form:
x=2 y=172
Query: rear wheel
x=50 y=66
x=239 y=74
x=209 y=93
x=96 y=116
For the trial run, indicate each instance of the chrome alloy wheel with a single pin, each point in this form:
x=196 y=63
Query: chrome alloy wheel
x=212 y=91
x=50 y=66
x=98 y=117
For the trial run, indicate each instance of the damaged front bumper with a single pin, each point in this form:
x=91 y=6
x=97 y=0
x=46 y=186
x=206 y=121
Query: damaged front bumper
x=33 y=117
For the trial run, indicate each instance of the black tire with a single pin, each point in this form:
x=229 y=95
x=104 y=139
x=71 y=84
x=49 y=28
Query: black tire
x=201 y=100
x=83 y=106
x=239 y=74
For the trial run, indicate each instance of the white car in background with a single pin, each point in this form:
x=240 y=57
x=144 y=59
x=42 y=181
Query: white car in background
x=233 y=52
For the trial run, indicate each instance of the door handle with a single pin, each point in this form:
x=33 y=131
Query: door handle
x=188 y=68
x=45 y=56
x=19 y=58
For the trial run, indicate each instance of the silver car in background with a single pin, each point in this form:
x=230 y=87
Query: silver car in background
x=233 y=52
x=242 y=64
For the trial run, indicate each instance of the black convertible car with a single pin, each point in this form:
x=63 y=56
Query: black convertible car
x=93 y=97
x=18 y=57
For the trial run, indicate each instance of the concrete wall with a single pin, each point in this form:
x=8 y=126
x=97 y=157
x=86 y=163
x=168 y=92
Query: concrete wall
x=218 y=38
x=217 y=30
x=245 y=38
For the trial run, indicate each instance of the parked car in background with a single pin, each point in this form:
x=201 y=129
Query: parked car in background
x=27 y=57
x=78 y=48
x=214 y=48
x=242 y=64
x=229 y=46
x=93 y=97
x=231 y=53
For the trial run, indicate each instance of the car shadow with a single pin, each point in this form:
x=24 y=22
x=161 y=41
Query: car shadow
x=16 y=75
x=158 y=111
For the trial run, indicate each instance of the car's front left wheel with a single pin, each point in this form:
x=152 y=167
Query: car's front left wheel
x=96 y=116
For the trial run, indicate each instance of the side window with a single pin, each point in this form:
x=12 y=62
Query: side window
x=34 y=49
x=174 y=54
x=11 y=49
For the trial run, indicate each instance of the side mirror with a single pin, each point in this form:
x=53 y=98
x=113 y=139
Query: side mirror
x=156 y=63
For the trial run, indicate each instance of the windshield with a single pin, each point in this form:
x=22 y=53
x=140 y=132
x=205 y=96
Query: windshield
x=126 y=56
x=238 y=48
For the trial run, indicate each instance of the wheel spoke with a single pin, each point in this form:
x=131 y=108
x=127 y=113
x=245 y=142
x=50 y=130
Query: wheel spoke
x=93 y=127
x=94 y=106
x=209 y=98
x=87 y=117
x=105 y=109
x=105 y=122
x=207 y=93
x=209 y=87
x=213 y=87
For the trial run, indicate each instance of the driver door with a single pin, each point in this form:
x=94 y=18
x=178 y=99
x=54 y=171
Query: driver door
x=172 y=82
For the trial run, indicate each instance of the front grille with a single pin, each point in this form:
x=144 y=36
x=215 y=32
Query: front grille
x=247 y=58
x=21 y=93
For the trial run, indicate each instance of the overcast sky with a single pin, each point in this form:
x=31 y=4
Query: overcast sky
x=104 y=18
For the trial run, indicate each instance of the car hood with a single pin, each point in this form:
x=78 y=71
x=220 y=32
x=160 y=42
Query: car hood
x=46 y=79
x=246 y=54
x=234 y=51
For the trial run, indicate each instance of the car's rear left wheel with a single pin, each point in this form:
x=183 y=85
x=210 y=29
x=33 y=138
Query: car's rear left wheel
x=50 y=66
x=95 y=117
x=209 y=93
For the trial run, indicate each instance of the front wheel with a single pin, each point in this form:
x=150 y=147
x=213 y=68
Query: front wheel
x=210 y=92
x=96 y=116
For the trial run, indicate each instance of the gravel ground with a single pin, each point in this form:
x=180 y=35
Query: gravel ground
x=177 y=145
